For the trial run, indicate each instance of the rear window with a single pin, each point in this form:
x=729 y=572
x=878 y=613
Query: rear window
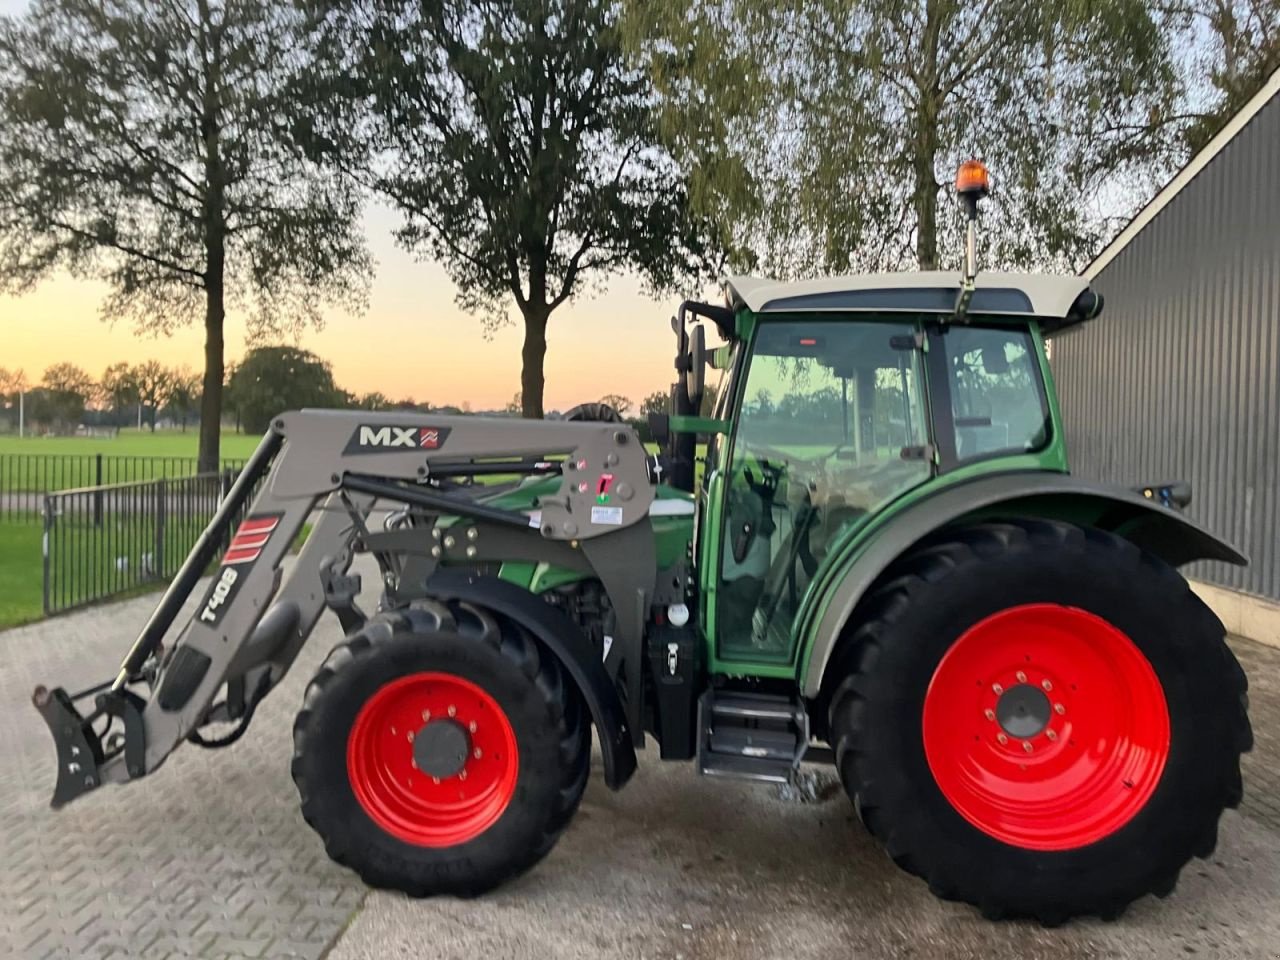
x=997 y=396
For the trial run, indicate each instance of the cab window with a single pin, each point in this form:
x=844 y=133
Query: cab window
x=997 y=395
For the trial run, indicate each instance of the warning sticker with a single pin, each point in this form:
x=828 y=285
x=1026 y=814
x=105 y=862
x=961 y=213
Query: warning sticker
x=610 y=516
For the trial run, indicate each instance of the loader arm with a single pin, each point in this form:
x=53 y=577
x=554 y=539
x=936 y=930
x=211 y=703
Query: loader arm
x=250 y=622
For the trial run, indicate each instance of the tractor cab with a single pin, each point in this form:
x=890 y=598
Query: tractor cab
x=844 y=399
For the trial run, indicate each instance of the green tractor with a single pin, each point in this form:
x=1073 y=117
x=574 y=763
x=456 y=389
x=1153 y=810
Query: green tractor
x=885 y=566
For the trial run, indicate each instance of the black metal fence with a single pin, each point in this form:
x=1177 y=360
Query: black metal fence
x=25 y=478
x=103 y=541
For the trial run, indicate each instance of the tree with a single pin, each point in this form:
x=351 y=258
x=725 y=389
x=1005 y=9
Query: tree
x=373 y=401
x=116 y=389
x=515 y=405
x=182 y=398
x=617 y=401
x=271 y=380
x=846 y=134
x=657 y=402
x=709 y=395
x=150 y=382
x=147 y=145
x=68 y=389
x=1237 y=44
x=518 y=142
x=12 y=383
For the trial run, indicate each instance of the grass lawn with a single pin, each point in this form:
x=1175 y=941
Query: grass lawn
x=20 y=573
x=132 y=443
x=43 y=464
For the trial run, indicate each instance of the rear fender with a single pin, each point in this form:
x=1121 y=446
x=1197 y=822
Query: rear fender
x=562 y=637
x=1155 y=528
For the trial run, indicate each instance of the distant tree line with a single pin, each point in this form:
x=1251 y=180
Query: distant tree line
x=267 y=381
x=67 y=396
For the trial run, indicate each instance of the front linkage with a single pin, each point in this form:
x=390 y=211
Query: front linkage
x=250 y=625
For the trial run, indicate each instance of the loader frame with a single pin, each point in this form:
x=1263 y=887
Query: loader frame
x=337 y=466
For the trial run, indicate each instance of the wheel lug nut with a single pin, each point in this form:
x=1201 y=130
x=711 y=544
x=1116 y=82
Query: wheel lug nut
x=426 y=715
x=1000 y=737
x=477 y=753
x=453 y=711
x=1059 y=708
x=989 y=714
x=472 y=726
x=1046 y=684
x=462 y=774
x=413 y=763
x=1022 y=677
x=435 y=779
x=410 y=736
x=1051 y=734
x=1026 y=746
x=997 y=689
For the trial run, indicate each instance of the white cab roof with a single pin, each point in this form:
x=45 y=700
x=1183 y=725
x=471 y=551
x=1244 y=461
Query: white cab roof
x=1040 y=295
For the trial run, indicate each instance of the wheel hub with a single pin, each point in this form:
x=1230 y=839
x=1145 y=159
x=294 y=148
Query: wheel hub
x=432 y=758
x=1045 y=727
x=1023 y=711
x=440 y=748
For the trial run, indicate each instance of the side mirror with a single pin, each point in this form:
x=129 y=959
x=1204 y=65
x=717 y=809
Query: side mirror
x=695 y=378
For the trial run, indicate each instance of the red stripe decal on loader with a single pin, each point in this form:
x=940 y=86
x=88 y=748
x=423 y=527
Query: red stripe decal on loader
x=250 y=538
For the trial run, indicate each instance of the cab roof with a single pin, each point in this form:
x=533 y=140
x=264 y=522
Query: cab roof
x=1014 y=294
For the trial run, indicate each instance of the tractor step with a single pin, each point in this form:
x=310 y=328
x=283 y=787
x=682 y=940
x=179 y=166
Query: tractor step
x=751 y=736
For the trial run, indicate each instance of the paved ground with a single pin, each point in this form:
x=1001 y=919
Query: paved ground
x=209 y=858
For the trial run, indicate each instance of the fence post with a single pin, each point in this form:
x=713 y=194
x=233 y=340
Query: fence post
x=228 y=478
x=157 y=563
x=97 y=496
x=44 y=551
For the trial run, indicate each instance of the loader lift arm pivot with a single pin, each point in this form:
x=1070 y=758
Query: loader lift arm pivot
x=337 y=465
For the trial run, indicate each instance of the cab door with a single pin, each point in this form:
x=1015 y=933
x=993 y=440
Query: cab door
x=832 y=424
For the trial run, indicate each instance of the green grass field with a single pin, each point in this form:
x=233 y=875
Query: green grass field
x=20 y=573
x=131 y=443
x=45 y=464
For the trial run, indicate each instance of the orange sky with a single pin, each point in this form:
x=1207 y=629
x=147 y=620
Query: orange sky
x=412 y=341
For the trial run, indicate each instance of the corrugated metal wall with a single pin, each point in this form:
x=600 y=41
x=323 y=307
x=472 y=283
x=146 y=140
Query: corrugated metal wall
x=1180 y=377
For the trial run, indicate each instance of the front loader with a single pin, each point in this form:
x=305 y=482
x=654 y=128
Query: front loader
x=886 y=566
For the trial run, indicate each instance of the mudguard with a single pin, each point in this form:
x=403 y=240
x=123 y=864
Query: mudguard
x=562 y=637
x=1146 y=523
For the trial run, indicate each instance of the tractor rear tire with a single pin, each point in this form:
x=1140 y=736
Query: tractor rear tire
x=1040 y=720
x=440 y=750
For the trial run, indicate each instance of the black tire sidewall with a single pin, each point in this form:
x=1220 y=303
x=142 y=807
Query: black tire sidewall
x=522 y=825
x=1162 y=618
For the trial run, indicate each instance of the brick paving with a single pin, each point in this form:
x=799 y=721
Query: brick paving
x=209 y=857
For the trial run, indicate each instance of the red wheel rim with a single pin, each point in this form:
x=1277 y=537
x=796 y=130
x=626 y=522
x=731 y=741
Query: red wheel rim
x=414 y=805
x=1082 y=774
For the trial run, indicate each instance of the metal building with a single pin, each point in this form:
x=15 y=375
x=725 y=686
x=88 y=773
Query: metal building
x=1180 y=377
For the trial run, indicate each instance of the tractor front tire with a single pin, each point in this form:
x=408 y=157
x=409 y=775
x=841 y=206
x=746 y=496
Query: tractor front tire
x=1039 y=719
x=440 y=750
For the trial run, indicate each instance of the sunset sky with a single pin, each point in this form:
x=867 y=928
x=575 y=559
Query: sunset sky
x=412 y=341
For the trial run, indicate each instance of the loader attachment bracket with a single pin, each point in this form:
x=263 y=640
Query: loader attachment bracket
x=78 y=747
